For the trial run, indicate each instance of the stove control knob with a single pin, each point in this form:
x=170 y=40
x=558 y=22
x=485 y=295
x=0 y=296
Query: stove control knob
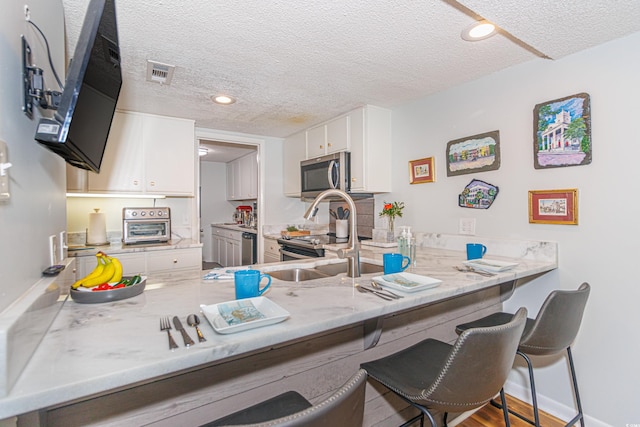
x=151 y=213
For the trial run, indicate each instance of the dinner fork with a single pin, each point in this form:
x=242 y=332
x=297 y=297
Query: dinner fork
x=371 y=291
x=165 y=325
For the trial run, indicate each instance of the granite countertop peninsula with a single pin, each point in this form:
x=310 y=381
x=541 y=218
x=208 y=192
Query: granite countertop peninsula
x=96 y=348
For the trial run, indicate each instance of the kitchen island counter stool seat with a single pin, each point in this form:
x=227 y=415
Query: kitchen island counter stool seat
x=433 y=375
x=345 y=407
x=552 y=331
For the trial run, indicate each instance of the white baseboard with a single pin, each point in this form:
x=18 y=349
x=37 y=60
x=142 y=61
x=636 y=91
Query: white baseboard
x=550 y=406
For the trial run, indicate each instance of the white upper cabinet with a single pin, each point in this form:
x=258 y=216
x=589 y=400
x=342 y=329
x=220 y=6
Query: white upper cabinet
x=122 y=167
x=328 y=138
x=294 y=152
x=364 y=132
x=242 y=177
x=170 y=155
x=370 y=147
x=145 y=154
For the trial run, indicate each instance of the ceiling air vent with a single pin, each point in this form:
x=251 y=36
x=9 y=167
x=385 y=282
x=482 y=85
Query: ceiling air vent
x=158 y=72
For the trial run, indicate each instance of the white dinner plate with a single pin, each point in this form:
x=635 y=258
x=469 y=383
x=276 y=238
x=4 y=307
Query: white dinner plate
x=490 y=265
x=239 y=315
x=407 y=282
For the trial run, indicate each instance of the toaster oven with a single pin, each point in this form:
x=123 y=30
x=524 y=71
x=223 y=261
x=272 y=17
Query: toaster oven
x=146 y=225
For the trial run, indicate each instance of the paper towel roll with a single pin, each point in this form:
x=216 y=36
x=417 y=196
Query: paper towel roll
x=97 y=232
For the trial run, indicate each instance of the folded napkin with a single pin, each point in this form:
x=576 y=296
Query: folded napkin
x=218 y=274
x=222 y=274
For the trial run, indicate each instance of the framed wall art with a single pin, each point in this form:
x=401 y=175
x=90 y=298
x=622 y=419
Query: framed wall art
x=478 y=153
x=478 y=195
x=562 y=132
x=422 y=170
x=553 y=206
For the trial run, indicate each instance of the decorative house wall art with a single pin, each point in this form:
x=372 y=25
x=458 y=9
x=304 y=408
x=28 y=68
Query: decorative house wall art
x=553 y=206
x=478 y=153
x=477 y=195
x=562 y=132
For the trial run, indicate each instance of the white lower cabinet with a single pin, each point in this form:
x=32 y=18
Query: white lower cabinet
x=271 y=250
x=174 y=260
x=226 y=246
x=148 y=262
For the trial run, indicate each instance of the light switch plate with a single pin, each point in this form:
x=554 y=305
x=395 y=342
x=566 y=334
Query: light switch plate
x=468 y=226
x=4 y=172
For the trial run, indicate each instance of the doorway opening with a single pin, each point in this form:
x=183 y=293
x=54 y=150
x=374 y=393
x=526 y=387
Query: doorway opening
x=229 y=178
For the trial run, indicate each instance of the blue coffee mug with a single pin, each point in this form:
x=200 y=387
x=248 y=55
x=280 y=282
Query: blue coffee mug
x=475 y=250
x=395 y=263
x=247 y=283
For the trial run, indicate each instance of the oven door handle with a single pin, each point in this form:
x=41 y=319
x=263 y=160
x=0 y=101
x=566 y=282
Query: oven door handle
x=293 y=254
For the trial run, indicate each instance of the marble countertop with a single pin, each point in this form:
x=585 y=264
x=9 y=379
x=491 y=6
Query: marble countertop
x=236 y=227
x=71 y=363
x=119 y=247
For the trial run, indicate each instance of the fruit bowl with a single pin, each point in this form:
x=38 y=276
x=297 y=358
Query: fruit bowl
x=87 y=296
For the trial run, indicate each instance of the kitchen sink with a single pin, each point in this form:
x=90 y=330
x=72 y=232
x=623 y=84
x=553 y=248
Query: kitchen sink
x=321 y=271
x=297 y=274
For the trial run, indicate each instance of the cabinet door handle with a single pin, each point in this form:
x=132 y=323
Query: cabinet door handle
x=152 y=183
x=175 y=261
x=329 y=145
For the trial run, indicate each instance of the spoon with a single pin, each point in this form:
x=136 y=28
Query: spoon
x=375 y=285
x=193 y=320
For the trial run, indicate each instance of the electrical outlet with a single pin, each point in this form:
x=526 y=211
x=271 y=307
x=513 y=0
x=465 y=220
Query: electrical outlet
x=467 y=226
x=53 y=249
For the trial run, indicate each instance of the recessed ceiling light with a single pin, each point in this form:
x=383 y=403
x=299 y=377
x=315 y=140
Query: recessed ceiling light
x=202 y=151
x=223 y=99
x=478 y=31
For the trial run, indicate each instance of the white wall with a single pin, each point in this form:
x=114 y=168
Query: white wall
x=600 y=250
x=36 y=208
x=214 y=208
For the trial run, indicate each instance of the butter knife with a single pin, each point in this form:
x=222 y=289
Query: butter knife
x=187 y=339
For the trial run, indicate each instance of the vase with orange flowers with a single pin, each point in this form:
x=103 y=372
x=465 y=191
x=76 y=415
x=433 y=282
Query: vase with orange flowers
x=391 y=211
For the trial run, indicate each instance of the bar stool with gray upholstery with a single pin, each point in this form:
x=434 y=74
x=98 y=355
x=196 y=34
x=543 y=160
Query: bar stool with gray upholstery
x=433 y=375
x=552 y=331
x=345 y=407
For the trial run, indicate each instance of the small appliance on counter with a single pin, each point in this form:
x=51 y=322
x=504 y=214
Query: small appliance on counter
x=243 y=215
x=146 y=225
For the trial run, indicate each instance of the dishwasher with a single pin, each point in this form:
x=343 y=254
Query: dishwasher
x=249 y=248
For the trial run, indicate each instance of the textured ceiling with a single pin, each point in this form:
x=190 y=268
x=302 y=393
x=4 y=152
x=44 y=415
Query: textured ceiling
x=292 y=64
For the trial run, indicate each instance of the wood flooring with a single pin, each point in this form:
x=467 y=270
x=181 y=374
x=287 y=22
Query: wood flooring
x=490 y=416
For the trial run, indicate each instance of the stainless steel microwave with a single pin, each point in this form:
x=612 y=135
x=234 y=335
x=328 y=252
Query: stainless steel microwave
x=324 y=173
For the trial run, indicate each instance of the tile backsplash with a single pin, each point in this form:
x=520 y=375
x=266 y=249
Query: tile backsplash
x=365 y=215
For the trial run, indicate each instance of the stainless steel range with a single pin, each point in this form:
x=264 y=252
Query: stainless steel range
x=146 y=225
x=305 y=247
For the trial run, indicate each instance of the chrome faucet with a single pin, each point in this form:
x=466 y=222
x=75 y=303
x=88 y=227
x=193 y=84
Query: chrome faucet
x=352 y=253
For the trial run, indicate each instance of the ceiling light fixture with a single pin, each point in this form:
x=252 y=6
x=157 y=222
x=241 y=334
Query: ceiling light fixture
x=202 y=151
x=223 y=99
x=478 y=31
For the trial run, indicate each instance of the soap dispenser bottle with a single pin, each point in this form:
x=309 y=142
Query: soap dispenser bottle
x=407 y=244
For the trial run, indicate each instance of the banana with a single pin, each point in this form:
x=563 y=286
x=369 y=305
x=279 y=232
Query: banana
x=96 y=272
x=117 y=275
x=104 y=277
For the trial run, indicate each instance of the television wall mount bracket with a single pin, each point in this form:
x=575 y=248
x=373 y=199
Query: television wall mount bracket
x=33 y=85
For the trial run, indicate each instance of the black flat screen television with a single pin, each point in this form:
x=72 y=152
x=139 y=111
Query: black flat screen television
x=80 y=126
